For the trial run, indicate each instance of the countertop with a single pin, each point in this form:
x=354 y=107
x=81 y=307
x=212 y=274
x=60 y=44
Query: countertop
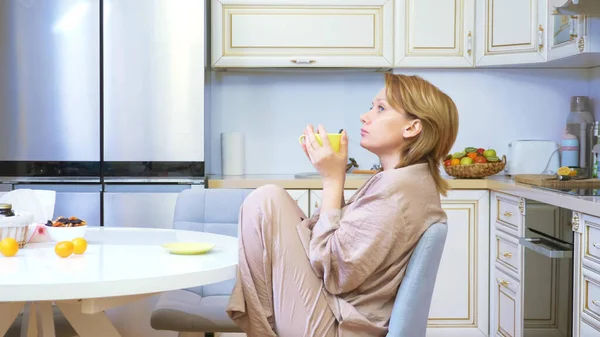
x=584 y=204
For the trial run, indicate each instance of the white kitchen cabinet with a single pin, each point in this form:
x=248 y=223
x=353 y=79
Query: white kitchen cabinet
x=526 y=286
x=510 y=32
x=587 y=276
x=317 y=195
x=570 y=35
x=315 y=200
x=589 y=329
x=563 y=32
x=506 y=263
x=302 y=33
x=302 y=198
x=459 y=306
x=434 y=33
x=507 y=298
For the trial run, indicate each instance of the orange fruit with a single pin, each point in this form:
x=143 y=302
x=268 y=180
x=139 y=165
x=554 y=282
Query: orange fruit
x=79 y=245
x=472 y=155
x=9 y=247
x=64 y=248
x=574 y=173
x=564 y=171
x=455 y=161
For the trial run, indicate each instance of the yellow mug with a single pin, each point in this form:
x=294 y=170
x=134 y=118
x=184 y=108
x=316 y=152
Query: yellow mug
x=334 y=140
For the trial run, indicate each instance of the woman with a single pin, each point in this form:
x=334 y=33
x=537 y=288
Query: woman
x=338 y=272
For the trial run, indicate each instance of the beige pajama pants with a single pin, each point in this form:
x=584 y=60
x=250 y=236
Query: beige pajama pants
x=277 y=292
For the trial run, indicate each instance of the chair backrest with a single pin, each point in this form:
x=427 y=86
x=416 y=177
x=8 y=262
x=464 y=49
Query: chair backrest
x=209 y=210
x=213 y=211
x=413 y=301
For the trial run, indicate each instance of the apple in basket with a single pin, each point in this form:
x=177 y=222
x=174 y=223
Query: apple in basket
x=66 y=229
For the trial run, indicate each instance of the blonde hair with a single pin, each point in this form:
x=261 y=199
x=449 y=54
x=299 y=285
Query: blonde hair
x=439 y=119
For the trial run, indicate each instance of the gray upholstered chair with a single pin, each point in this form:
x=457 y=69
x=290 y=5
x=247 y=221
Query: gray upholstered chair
x=194 y=311
x=413 y=301
x=201 y=309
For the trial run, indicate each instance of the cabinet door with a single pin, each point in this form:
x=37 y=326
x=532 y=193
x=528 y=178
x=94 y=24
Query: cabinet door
x=348 y=194
x=301 y=198
x=506 y=294
x=434 y=33
x=315 y=200
x=563 y=31
x=511 y=32
x=302 y=33
x=316 y=195
x=459 y=306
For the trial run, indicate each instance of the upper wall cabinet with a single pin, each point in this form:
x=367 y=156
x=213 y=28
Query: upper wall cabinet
x=302 y=33
x=434 y=33
x=569 y=35
x=563 y=32
x=511 y=32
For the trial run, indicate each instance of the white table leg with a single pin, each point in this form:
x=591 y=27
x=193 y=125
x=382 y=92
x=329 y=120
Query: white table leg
x=87 y=325
x=29 y=322
x=88 y=318
x=45 y=319
x=8 y=313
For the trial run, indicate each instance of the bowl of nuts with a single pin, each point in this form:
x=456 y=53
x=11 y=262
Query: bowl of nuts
x=66 y=229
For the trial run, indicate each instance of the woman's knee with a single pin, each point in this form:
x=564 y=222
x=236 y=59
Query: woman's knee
x=265 y=193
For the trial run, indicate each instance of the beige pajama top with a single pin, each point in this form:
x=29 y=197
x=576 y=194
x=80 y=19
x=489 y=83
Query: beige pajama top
x=361 y=251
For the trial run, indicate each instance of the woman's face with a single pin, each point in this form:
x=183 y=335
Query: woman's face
x=385 y=129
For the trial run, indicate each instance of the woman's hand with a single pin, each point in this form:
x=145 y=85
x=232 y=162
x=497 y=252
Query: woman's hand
x=331 y=165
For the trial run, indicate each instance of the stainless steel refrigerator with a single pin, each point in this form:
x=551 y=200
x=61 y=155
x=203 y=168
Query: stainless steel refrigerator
x=103 y=100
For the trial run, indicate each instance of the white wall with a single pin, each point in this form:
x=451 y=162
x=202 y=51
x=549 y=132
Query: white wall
x=495 y=106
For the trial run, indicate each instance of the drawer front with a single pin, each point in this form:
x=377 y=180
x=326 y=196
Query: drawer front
x=591 y=293
x=586 y=329
x=591 y=228
x=507 y=307
x=302 y=35
x=509 y=213
x=508 y=253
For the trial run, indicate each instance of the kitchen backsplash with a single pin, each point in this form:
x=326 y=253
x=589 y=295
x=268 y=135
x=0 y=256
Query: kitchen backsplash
x=272 y=109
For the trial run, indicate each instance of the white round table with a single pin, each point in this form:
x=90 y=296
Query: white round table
x=121 y=265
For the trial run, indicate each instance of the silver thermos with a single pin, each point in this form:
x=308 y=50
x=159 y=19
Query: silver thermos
x=580 y=123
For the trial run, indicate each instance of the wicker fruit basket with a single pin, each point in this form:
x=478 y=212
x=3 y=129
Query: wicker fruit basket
x=475 y=171
x=16 y=228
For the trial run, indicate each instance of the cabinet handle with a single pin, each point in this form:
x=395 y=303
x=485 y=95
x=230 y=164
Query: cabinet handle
x=507 y=214
x=502 y=282
x=540 y=38
x=596 y=245
x=507 y=254
x=316 y=204
x=573 y=34
x=595 y=302
x=303 y=61
x=469 y=43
